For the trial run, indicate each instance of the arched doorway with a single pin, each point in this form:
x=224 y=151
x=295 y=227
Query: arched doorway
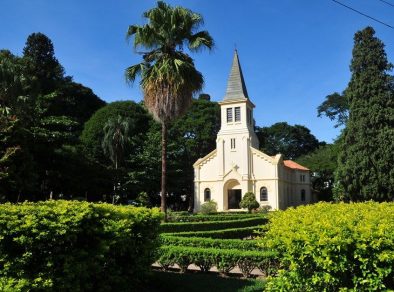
x=232 y=194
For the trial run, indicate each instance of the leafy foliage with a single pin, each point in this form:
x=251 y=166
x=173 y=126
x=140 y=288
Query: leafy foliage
x=364 y=168
x=116 y=139
x=238 y=233
x=322 y=162
x=329 y=247
x=212 y=225
x=224 y=259
x=191 y=137
x=249 y=202
x=93 y=132
x=209 y=207
x=335 y=107
x=210 y=217
x=47 y=111
x=73 y=246
x=291 y=141
x=210 y=242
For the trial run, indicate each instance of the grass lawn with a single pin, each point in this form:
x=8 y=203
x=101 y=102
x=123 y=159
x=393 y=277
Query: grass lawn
x=174 y=282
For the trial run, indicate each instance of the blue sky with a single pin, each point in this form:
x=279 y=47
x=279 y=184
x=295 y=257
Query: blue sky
x=293 y=53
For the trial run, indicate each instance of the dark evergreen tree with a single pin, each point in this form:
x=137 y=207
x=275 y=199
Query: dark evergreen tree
x=365 y=165
x=41 y=64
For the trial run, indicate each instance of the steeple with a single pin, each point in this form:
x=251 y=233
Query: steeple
x=236 y=85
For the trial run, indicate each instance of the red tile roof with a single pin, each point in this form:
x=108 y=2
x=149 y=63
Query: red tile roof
x=294 y=165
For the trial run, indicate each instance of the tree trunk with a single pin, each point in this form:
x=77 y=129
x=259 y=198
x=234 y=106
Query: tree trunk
x=164 y=169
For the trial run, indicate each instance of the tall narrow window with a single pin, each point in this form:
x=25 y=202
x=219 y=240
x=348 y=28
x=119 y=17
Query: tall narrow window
x=263 y=194
x=207 y=194
x=232 y=143
x=302 y=195
x=229 y=115
x=237 y=113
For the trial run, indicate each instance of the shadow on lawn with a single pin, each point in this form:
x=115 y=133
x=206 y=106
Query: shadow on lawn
x=190 y=282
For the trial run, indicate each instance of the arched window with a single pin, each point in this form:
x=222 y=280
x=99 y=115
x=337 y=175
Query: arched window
x=302 y=195
x=263 y=194
x=207 y=194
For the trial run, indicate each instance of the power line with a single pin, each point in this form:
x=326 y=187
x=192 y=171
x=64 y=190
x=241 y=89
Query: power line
x=363 y=14
x=388 y=3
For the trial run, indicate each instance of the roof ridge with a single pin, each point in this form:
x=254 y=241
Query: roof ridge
x=294 y=165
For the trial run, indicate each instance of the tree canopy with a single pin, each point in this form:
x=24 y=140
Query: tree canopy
x=42 y=112
x=365 y=159
x=335 y=107
x=291 y=141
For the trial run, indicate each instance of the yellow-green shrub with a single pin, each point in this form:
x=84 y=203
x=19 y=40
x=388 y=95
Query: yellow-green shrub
x=329 y=247
x=75 y=246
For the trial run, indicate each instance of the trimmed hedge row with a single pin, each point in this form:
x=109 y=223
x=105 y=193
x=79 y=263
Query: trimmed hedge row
x=334 y=247
x=220 y=217
x=187 y=213
x=211 y=243
x=223 y=259
x=75 y=246
x=214 y=225
x=233 y=233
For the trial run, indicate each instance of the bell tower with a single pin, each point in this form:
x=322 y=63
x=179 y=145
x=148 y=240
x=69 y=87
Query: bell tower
x=236 y=134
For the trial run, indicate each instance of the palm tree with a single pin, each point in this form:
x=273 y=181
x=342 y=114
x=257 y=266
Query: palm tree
x=168 y=76
x=115 y=142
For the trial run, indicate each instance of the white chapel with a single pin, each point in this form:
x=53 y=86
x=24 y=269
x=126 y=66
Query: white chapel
x=236 y=166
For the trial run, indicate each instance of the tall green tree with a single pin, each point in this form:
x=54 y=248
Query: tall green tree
x=41 y=65
x=116 y=139
x=194 y=136
x=17 y=168
x=115 y=142
x=323 y=163
x=365 y=165
x=191 y=136
x=11 y=81
x=168 y=75
x=42 y=113
x=17 y=174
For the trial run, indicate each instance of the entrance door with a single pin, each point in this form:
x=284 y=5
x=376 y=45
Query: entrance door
x=234 y=198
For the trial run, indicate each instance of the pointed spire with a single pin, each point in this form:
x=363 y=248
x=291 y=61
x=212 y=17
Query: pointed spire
x=236 y=84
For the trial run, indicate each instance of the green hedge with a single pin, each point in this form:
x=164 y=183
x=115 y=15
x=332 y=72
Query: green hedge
x=214 y=225
x=223 y=259
x=332 y=247
x=220 y=217
x=75 y=246
x=211 y=243
x=232 y=233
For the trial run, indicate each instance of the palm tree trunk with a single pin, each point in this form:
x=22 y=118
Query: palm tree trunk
x=164 y=169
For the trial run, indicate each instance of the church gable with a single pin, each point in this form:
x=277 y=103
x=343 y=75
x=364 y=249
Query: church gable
x=206 y=167
x=264 y=166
